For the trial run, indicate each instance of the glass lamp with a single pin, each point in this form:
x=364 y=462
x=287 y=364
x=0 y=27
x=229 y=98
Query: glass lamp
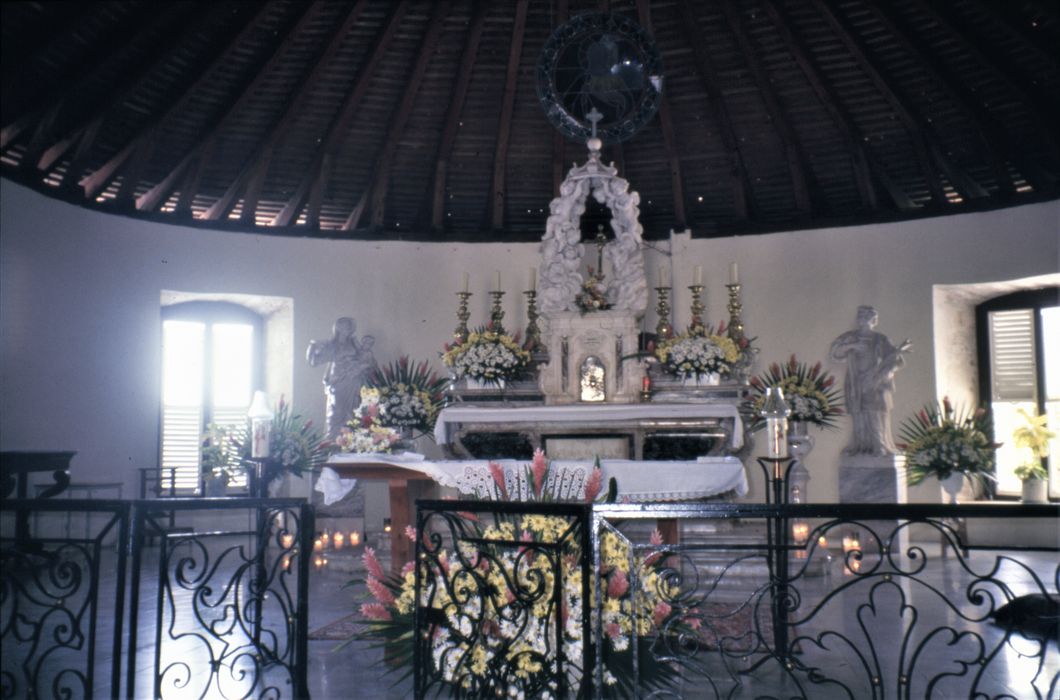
x=260 y=425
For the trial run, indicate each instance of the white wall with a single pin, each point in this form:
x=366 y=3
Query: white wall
x=79 y=306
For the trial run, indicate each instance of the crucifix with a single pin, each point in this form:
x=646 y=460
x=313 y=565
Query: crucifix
x=594 y=116
x=601 y=242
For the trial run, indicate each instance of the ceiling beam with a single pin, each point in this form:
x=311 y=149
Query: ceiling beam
x=38 y=96
x=1045 y=120
x=666 y=124
x=498 y=193
x=171 y=28
x=204 y=145
x=311 y=187
x=990 y=132
x=98 y=179
x=802 y=181
x=741 y=186
x=861 y=160
x=452 y=115
x=251 y=177
x=384 y=162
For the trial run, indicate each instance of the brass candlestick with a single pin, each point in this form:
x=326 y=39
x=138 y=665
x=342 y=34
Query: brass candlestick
x=735 y=309
x=462 y=315
x=663 y=329
x=496 y=312
x=696 y=326
x=533 y=331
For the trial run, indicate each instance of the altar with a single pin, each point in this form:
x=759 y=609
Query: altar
x=669 y=480
x=583 y=431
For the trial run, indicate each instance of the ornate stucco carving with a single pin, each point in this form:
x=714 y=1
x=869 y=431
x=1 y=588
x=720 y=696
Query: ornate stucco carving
x=561 y=249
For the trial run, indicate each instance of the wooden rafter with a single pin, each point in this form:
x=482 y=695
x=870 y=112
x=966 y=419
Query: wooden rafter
x=251 y=176
x=151 y=199
x=1045 y=122
x=860 y=158
x=98 y=179
x=989 y=131
x=385 y=160
x=669 y=139
x=51 y=92
x=801 y=176
x=914 y=125
x=311 y=187
x=46 y=146
x=705 y=67
x=498 y=193
x=452 y=115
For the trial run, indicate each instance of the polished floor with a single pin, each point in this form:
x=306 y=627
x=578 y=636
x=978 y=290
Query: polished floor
x=885 y=609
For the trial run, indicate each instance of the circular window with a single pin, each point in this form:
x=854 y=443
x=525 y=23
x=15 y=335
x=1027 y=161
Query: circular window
x=599 y=67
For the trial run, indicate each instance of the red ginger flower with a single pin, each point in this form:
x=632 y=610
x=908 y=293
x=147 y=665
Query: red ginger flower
x=593 y=485
x=372 y=564
x=539 y=468
x=380 y=592
x=375 y=611
x=497 y=472
x=617 y=584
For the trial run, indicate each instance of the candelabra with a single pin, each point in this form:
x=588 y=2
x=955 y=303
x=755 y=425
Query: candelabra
x=496 y=312
x=663 y=329
x=533 y=331
x=462 y=315
x=696 y=326
x=735 y=309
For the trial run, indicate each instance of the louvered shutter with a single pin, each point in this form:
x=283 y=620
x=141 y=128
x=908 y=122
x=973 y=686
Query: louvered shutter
x=1013 y=368
x=183 y=344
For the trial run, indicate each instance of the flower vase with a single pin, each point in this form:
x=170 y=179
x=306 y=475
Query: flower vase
x=952 y=486
x=695 y=380
x=800 y=444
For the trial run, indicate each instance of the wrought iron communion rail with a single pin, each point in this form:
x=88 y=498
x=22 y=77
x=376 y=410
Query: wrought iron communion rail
x=226 y=609
x=793 y=601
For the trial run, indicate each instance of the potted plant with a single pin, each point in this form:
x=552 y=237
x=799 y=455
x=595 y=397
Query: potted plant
x=219 y=460
x=1033 y=436
x=948 y=444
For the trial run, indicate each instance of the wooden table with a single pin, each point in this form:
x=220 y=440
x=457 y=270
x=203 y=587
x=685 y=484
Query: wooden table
x=397 y=479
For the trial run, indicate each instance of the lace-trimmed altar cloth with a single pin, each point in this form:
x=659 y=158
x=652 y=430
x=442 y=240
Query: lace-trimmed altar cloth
x=601 y=413
x=637 y=480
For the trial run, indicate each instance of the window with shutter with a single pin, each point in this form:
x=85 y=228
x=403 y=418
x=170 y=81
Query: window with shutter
x=1020 y=370
x=211 y=365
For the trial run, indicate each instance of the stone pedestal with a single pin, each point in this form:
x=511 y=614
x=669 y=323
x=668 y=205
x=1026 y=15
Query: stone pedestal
x=875 y=479
x=577 y=342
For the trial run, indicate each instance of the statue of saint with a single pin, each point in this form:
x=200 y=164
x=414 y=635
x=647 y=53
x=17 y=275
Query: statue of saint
x=348 y=363
x=872 y=361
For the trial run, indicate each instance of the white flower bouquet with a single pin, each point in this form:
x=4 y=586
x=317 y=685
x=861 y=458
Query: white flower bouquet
x=697 y=352
x=366 y=432
x=488 y=356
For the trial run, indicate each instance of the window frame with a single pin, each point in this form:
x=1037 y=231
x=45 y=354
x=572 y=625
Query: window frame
x=210 y=313
x=1035 y=299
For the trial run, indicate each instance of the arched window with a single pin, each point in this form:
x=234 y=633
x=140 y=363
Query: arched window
x=212 y=362
x=1019 y=368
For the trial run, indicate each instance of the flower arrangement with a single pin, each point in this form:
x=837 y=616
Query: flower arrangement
x=1034 y=436
x=593 y=294
x=487 y=355
x=410 y=395
x=810 y=393
x=699 y=351
x=220 y=458
x=940 y=441
x=295 y=445
x=492 y=604
x=367 y=431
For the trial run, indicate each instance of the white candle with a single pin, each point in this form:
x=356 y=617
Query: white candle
x=697 y=275
x=662 y=276
x=533 y=279
x=734 y=273
x=497 y=280
x=467 y=281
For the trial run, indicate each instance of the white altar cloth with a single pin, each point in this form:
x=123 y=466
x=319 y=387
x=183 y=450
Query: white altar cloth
x=637 y=480
x=582 y=413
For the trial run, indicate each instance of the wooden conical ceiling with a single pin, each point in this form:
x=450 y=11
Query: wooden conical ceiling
x=421 y=121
